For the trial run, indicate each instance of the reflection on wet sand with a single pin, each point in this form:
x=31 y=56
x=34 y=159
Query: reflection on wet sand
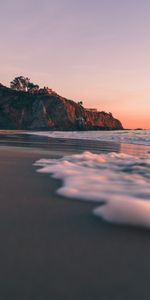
x=19 y=139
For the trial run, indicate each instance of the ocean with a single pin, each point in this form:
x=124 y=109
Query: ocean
x=117 y=182
x=138 y=137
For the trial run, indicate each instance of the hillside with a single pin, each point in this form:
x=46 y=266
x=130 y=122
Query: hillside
x=49 y=111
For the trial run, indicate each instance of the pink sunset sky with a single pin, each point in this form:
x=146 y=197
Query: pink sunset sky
x=95 y=51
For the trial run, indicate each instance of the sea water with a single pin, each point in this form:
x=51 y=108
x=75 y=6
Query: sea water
x=118 y=183
x=138 y=137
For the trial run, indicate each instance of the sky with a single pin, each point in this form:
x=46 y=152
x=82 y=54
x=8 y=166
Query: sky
x=95 y=51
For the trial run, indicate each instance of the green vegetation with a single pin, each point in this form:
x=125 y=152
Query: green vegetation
x=80 y=103
x=23 y=84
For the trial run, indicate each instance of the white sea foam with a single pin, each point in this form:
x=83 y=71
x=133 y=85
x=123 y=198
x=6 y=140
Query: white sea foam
x=140 y=137
x=121 y=181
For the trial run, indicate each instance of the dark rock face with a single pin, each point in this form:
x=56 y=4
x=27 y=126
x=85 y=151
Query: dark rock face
x=21 y=110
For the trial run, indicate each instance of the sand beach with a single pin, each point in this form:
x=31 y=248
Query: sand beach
x=53 y=247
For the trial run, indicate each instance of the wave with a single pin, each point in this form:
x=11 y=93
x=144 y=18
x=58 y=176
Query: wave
x=119 y=180
x=140 y=137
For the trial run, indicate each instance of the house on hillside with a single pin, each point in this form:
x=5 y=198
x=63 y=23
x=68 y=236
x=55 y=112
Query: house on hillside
x=91 y=109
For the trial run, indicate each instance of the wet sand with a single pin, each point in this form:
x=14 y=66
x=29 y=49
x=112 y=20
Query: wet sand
x=53 y=248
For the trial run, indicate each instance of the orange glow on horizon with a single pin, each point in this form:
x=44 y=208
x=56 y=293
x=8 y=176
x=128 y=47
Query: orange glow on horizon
x=133 y=123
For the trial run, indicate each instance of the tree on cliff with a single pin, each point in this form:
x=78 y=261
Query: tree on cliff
x=80 y=103
x=33 y=88
x=22 y=83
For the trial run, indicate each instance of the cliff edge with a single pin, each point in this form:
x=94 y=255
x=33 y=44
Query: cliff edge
x=46 y=110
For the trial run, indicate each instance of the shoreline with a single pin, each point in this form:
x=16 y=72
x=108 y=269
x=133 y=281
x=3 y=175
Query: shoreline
x=54 y=248
x=69 y=146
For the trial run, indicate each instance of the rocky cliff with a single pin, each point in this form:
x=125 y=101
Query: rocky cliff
x=49 y=111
